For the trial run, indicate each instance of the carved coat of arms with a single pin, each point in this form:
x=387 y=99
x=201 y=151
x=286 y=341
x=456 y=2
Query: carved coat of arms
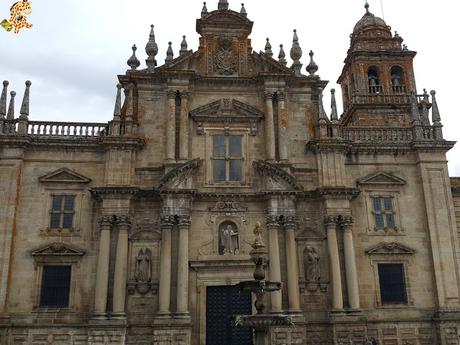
x=225 y=59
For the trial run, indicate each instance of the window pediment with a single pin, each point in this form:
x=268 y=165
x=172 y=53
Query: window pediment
x=177 y=177
x=227 y=111
x=382 y=179
x=390 y=248
x=58 y=249
x=64 y=175
x=280 y=178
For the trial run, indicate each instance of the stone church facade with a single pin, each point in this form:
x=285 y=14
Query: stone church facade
x=136 y=231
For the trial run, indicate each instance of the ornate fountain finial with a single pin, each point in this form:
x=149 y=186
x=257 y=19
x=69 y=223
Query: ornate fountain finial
x=133 y=61
x=204 y=10
x=282 y=56
x=296 y=54
x=25 y=101
x=183 y=46
x=10 y=115
x=268 y=48
x=151 y=49
x=312 y=67
x=3 y=99
x=243 y=11
x=334 y=113
x=223 y=5
x=169 y=53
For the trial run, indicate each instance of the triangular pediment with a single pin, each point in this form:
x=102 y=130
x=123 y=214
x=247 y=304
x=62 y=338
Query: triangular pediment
x=64 y=175
x=382 y=178
x=390 y=248
x=264 y=63
x=226 y=108
x=58 y=249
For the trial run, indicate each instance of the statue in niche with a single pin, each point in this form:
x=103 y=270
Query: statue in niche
x=143 y=273
x=229 y=242
x=311 y=265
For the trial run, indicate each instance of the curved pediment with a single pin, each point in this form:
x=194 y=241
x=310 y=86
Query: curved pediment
x=225 y=21
x=390 y=248
x=281 y=178
x=177 y=178
x=58 y=249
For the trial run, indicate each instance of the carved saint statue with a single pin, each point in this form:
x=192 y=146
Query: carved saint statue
x=311 y=265
x=229 y=239
x=143 y=273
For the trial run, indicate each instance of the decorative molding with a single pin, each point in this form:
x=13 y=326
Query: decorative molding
x=265 y=168
x=390 y=248
x=227 y=207
x=64 y=175
x=58 y=249
x=176 y=176
x=382 y=178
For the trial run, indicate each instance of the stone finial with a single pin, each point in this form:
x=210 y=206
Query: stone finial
x=243 y=11
x=296 y=54
x=268 y=48
x=117 y=110
x=334 y=114
x=414 y=109
x=435 y=115
x=223 y=5
x=183 y=46
x=312 y=67
x=3 y=99
x=366 y=6
x=25 y=102
x=322 y=113
x=151 y=49
x=282 y=56
x=10 y=115
x=133 y=61
x=204 y=10
x=425 y=113
x=169 y=53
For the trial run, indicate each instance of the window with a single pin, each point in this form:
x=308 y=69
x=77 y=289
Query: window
x=397 y=79
x=383 y=211
x=227 y=160
x=62 y=211
x=374 y=80
x=392 y=284
x=55 y=286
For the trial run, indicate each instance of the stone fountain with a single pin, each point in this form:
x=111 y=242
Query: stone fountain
x=260 y=322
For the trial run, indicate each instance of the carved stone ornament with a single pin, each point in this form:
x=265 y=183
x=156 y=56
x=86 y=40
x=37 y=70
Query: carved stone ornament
x=277 y=174
x=311 y=265
x=225 y=59
x=390 y=248
x=228 y=207
x=229 y=239
x=175 y=177
x=143 y=272
x=58 y=249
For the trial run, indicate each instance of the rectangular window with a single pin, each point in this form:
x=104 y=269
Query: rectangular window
x=227 y=158
x=383 y=212
x=392 y=284
x=55 y=286
x=62 y=211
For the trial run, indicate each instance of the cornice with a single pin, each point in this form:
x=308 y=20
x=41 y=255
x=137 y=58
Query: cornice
x=101 y=192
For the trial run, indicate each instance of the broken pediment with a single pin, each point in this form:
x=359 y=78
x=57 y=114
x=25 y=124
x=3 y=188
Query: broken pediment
x=282 y=179
x=178 y=177
x=64 y=175
x=264 y=63
x=390 y=248
x=58 y=249
x=382 y=178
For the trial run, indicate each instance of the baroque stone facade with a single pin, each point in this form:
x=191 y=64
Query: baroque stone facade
x=144 y=218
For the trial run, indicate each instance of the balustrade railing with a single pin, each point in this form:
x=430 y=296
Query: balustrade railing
x=9 y=126
x=377 y=134
x=67 y=129
x=381 y=98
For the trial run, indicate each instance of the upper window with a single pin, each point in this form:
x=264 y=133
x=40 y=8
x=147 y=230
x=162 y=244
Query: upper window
x=227 y=158
x=55 y=286
x=374 y=80
x=62 y=211
x=392 y=284
x=383 y=211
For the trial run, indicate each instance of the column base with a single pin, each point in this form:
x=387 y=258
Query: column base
x=163 y=315
x=293 y=311
x=99 y=316
x=119 y=316
x=182 y=315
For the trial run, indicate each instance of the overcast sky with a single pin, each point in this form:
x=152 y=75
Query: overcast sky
x=77 y=47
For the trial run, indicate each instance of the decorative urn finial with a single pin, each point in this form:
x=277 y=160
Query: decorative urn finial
x=296 y=54
x=312 y=67
x=268 y=48
x=282 y=56
x=151 y=49
x=133 y=61
x=183 y=46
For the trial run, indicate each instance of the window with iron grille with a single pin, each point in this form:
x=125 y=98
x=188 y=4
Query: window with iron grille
x=62 y=211
x=55 y=286
x=383 y=211
x=227 y=158
x=392 y=284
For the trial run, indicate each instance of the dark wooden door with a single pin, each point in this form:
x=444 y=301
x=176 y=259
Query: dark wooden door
x=222 y=303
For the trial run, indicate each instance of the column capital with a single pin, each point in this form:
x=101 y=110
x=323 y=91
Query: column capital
x=124 y=221
x=290 y=222
x=184 y=94
x=272 y=221
x=171 y=94
x=167 y=221
x=346 y=222
x=105 y=222
x=268 y=95
x=330 y=221
x=281 y=95
x=184 y=221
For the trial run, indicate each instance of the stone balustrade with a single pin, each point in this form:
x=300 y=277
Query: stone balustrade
x=67 y=129
x=377 y=134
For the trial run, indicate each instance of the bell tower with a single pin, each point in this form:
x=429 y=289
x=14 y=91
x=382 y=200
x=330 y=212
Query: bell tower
x=378 y=77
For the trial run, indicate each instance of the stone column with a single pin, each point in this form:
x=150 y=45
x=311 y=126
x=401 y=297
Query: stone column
x=182 y=266
x=102 y=276
x=282 y=125
x=121 y=268
x=274 y=257
x=269 y=127
x=292 y=264
x=350 y=263
x=171 y=127
x=334 y=263
x=184 y=127
x=164 y=295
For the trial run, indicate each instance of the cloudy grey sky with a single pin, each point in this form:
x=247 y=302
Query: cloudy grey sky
x=77 y=47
